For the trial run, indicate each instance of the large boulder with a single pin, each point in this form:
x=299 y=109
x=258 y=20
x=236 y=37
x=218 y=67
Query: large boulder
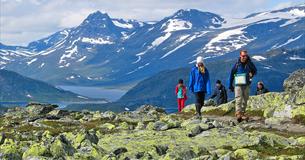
x=39 y=109
x=295 y=81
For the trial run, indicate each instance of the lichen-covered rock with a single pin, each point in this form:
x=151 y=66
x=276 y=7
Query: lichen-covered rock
x=61 y=147
x=246 y=154
x=9 y=150
x=295 y=81
x=58 y=113
x=36 y=150
x=109 y=115
x=107 y=126
x=39 y=109
x=140 y=126
x=124 y=126
x=301 y=141
x=221 y=110
x=298 y=114
x=300 y=97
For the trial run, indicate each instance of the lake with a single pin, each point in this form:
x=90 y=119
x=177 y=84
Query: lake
x=96 y=92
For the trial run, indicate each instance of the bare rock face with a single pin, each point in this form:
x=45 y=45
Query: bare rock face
x=295 y=81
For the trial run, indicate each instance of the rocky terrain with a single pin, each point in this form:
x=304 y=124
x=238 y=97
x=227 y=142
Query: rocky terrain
x=276 y=130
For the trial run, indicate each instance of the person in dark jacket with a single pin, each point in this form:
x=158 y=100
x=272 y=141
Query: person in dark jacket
x=261 y=88
x=220 y=93
x=240 y=79
x=199 y=84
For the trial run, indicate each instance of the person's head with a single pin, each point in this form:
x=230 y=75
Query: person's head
x=199 y=61
x=180 y=81
x=218 y=83
x=260 y=85
x=243 y=54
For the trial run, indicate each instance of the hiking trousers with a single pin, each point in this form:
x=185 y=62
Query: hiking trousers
x=181 y=102
x=199 y=101
x=241 y=97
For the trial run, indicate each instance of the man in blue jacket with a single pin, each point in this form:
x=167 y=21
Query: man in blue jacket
x=240 y=80
x=199 y=84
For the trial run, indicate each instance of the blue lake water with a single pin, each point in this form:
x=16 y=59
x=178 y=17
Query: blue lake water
x=96 y=92
x=93 y=92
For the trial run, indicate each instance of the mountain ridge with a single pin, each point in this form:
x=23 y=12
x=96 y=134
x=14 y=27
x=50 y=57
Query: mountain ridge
x=94 y=54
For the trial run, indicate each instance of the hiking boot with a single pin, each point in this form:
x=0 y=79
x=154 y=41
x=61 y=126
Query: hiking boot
x=198 y=116
x=244 y=117
x=238 y=116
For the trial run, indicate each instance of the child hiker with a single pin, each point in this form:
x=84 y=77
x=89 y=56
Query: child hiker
x=181 y=95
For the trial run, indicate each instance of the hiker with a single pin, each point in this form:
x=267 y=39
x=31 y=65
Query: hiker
x=261 y=88
x=199 y=84
x=220 y=93
x=181 y=95
x=240 y=80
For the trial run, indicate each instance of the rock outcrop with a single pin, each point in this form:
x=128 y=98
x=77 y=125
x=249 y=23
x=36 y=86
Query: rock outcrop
x=276 y=130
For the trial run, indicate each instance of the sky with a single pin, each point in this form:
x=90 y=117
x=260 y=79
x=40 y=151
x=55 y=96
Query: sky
x=24 y=21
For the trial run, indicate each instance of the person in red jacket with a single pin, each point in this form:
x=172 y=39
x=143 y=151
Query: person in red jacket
x=181 y=95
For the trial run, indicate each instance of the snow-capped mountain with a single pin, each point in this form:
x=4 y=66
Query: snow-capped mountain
x=105 y=50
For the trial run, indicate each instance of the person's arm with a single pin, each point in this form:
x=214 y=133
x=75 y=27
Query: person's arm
x=253 y=69
x=231 y=79
x=191 y=81
x=184 y=93
x=225 y=94
x=176 y=90
x=208 y=84
x=214 y=94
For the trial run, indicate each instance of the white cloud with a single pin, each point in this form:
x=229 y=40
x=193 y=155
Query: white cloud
x=20 y=19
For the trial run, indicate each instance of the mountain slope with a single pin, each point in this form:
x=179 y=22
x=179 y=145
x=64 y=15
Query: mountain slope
x=14 y=87
x=107 y=51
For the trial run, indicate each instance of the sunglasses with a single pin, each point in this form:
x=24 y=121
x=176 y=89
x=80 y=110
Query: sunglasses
x=244 y=56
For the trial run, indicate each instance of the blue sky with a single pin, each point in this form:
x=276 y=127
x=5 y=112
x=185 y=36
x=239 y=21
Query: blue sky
x=23 y=21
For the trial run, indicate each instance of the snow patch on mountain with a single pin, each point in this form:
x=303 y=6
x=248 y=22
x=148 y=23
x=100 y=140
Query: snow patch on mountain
x=31 y=61
x=81 y=59
x=42 y=64
x=189 y=39
x=160 y=40
x=296 y=57
x=69 y=55
x=259 y=58
x=290 y=16
x=137 y=69
x=298 y=12
x=122 y=25
x=96 y=41
x=227 y=41
x=287 y=42
x=176 y=25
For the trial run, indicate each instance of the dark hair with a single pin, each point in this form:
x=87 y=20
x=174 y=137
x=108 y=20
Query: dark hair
x=218 y=81
x=241 y=51
x=180 y=81
x=261 y=83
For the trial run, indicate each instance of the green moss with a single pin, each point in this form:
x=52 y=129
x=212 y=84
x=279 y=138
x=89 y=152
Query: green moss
x=298 y=114
x=246 y=154
x=36 y=150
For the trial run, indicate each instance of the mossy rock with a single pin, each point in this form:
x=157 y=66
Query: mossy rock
x=36 y=150
x=221 y=110
x=124 y=126
x=298 y=114
x=301 y=141
x=61 y=148
x=9 y=150
x=108 y=126
x=300 y=96
x=246 y=154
